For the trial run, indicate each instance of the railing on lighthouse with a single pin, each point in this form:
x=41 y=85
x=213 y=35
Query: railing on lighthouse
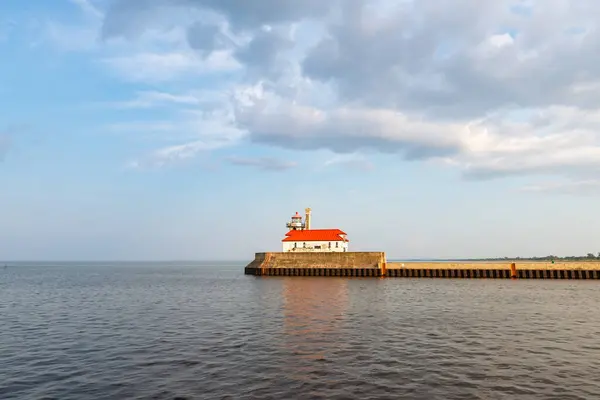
x=296 y=223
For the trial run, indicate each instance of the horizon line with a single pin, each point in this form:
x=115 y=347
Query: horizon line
x=390 y=259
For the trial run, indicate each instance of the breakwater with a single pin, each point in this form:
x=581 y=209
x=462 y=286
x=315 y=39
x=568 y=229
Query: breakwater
x=374 y=264
x=318 y=264
x=495 y=270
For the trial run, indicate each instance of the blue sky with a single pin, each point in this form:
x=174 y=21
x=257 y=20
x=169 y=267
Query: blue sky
x=161 y=130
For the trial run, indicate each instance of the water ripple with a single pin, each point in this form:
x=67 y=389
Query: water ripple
x=198 y=331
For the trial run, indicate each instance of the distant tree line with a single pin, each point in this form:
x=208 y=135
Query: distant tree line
x=588 y=257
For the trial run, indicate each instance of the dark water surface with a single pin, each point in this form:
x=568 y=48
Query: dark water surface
x=162 y=331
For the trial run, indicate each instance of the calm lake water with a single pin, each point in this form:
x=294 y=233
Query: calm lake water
x=166 y=331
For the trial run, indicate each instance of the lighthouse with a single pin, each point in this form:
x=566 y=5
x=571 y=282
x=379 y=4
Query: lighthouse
x=296 y=223
x=302 y=238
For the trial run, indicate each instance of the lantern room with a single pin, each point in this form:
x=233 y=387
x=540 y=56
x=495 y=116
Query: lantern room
x=296 y=222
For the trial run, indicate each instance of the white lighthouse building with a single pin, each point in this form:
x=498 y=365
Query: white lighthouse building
x=301 y=238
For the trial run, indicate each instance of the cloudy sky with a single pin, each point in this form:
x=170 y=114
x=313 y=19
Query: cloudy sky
x=193 y=129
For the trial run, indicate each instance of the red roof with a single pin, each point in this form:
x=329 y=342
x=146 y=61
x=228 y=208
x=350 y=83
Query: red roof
x=297 y=215
x=315 y=235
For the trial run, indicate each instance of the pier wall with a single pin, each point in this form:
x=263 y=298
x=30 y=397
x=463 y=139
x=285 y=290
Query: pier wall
x=523 y=265
x=373 y=264
x=491 y=270
x=318 y=264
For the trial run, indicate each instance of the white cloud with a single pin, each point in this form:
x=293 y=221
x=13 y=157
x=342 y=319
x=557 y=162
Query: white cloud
x=501 y=40
x=150 y=99
x=192 y=133
x=262 y=163
x=490 y=88
x=353 y=160
x=173 y=154
x=586 y=187
x=136 y=127
x=161 y=67
x=88 y=8
x=543 y=142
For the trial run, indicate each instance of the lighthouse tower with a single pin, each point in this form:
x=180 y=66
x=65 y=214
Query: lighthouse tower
x=296 y=224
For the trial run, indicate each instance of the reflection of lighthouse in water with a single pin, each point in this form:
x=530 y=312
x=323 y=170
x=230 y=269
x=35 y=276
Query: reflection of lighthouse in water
x=313 y=311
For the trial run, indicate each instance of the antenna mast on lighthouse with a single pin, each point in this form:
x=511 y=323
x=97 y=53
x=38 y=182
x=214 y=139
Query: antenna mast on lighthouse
x=307 y=219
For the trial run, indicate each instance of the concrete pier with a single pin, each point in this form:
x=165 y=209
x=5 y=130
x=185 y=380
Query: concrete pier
x=496 y=270
x=374 y=264
x=318 y=264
